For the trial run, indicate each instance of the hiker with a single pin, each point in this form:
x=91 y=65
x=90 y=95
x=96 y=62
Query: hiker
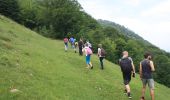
x=75 y=46
x=101 y=54
x=80 y=44
x=146 y=69
x=66 y=43
x=127 y=68
x=88 y=52
x=72 y=40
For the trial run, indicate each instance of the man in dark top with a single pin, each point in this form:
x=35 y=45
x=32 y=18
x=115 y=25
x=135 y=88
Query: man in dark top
x=127 y=67
x=146 y=69
x=80 y=44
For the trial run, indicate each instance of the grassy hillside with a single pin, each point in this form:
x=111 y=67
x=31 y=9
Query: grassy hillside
x=40 y=69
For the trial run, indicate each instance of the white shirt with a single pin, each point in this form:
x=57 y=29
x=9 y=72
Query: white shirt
x=99 y=52
x=89 y=44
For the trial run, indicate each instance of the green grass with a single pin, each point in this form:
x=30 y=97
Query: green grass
x=41 y=70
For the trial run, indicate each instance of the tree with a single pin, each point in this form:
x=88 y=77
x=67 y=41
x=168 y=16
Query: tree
x=162 y=74
x=63 y=15
x=135 y=51
x=110 y=48
x=10 y=8
x=112 y=33
x=120 y=47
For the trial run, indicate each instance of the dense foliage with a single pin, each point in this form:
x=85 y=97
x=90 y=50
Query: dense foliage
x=60 y=18
x=10 y=8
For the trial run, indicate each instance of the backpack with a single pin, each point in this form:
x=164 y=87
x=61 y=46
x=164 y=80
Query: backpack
x=76 y=44
x=125 y=64
x=89 y=51
x=80 y=43
x=103 y=52
x=65 y=40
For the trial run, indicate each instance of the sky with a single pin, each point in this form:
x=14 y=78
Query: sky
x=148 y=18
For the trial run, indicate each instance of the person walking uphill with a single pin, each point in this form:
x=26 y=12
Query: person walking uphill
x=101 y=54
x=66 y=43
x=127 y=67
x=88 y=52
x=80 y=45
x=72 y=40
x=146 y=69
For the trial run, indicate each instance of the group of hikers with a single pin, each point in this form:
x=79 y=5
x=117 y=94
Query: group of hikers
x=126 y=65
x=145 y=71
x=86 y=49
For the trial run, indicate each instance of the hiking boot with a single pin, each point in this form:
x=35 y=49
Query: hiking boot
x=91 y=67
x=129 y=96
x=125 y=92
x=133 y=75
x=142 y=98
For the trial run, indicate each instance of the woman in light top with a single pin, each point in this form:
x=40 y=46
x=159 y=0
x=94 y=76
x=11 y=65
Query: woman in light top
x=88 y=52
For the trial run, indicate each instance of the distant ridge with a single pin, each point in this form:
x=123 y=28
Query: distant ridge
x=127 y=32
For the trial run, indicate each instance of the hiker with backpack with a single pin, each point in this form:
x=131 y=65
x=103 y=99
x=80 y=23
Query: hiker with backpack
x=72 y=40
x=146 y=69
x=101 y=54
x=127 y=68
x=66 y=43
x=88 y=52
x=80 y=45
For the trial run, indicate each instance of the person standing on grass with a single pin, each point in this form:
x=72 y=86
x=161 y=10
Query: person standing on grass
x=101 y=54
x=127 y=68
x=66 y=43
x=80 y=45
x=146 y=69
x=88 y=52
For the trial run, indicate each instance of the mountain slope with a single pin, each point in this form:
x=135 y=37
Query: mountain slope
x=40 y=69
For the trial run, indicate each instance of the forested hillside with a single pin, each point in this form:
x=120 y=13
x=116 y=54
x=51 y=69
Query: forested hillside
x=123 y=30
x=59 y=18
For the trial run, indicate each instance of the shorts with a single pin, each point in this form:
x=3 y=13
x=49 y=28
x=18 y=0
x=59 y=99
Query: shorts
x=88 y=59
x=66 y=44
x=126 y=78
x=73 y=46
x=150 y=83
